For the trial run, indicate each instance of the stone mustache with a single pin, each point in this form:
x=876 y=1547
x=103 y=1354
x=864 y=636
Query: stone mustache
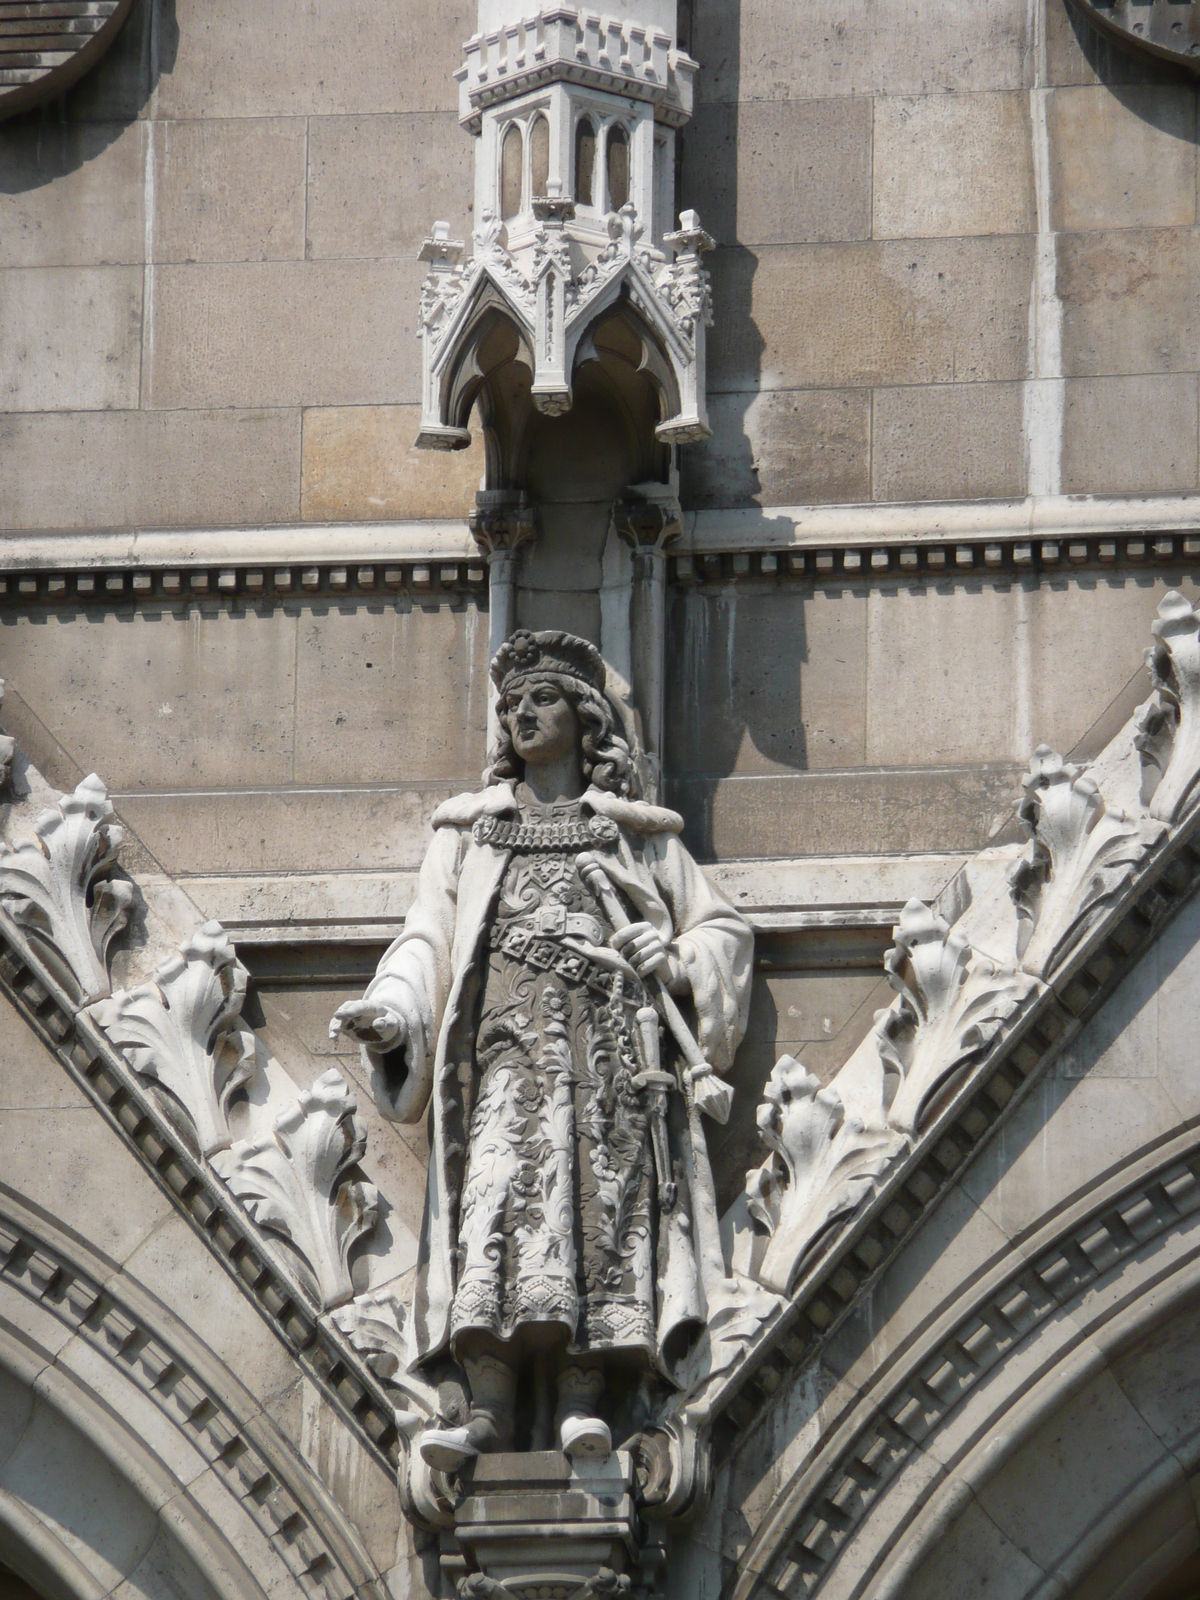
x=533 y=1006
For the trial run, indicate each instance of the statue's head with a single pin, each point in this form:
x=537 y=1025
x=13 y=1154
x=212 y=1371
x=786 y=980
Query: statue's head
x=551 y=689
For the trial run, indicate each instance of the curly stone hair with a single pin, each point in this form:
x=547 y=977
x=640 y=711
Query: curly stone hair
x=606 y=760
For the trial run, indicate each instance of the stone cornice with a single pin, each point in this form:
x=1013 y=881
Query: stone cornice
x=197 y=1394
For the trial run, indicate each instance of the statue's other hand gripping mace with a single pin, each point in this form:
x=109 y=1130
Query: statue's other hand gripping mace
x=701 y=1088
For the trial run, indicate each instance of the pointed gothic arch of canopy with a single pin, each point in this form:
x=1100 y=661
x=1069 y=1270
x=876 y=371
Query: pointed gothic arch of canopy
x=488 y=337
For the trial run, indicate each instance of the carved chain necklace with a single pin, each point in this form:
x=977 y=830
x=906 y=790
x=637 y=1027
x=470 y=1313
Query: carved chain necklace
x=566 y=835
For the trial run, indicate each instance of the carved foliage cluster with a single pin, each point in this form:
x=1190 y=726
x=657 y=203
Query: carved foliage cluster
x=294 y=1182
x=955 y=1004
x=59 y=885
x=180 y=1030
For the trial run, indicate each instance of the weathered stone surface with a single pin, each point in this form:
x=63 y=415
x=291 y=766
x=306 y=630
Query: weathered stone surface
x=131 y=468
x=230 y=59
x=762 y=49
x=1130 y=433
x=928 y=311
x=951 y=164
x=72 y=193
x=377 y=184
x=1131 y=301
x=361 y=462
x=781 y=171
x=70 y=338
x=1122 y=157
x=229 y=190
x=831 y=812
x=947 y=441
x=782 y=447
x=321 y=333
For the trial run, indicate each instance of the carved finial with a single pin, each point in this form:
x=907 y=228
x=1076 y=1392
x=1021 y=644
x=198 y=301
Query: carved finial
x=1080 y=855
x=58 y=886
x=953 y=1003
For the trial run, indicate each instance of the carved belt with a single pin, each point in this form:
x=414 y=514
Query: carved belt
x=533 y=949
x=510 y=833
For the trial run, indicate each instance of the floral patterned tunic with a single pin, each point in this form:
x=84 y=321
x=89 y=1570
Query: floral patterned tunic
x=558 y=1219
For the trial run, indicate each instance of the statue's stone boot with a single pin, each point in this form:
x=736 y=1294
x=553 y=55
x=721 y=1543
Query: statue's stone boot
x=490 y=1426
x=581 y=1433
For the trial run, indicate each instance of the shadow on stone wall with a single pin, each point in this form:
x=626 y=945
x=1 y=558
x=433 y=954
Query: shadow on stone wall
x=45 y=144
x=707 y=182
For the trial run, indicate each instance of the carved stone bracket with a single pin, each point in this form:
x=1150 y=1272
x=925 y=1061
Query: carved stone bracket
x=1081 y=855
x=180 y=1030
x=58 y=885
x=502 y=522
x=294 y=1183
x=953 y=1002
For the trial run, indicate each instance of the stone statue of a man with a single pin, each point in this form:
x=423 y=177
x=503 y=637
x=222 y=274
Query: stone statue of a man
x=558 y=1266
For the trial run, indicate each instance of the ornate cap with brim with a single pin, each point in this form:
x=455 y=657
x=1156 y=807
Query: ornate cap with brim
x=525 y=655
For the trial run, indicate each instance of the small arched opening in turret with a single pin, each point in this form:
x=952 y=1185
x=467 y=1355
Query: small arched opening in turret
x=617 y=166
x=511 y=171
x=539 y=156
x=585 y=162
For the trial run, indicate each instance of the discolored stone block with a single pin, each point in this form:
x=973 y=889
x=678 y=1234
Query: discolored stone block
x=284 y=333
x=376 y=185
x=72 y=193
x=277 y=59
x=131 y=468
x=229 y=190
x=1131 y=301
x=947 y=442
x=782 y=447
x=1122 y=157
x=1128 y=435
x=70 y=338
x=925 y=311
x=768 y=49
x=361 y=462
x=780 y=171
x=951 y=164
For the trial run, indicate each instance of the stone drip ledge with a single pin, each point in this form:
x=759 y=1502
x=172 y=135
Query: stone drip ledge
x=318 y=1544
x=439 y=582
x=887 y=1426
x=994 y=556
x=293 y=1312
x=807 y=894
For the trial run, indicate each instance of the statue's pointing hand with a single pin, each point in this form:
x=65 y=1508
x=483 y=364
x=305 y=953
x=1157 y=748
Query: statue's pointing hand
x=369 y=1022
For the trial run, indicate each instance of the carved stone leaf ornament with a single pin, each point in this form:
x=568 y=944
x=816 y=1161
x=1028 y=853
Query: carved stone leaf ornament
x=180 y=1030
x=822 y=1166
x=1168 y=736
x=953 y=1003
x=293 y=1183
x=58 y=886
x=1081 y=855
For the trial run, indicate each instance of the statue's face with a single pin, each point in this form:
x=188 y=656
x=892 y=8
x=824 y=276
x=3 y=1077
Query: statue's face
x=543 y=723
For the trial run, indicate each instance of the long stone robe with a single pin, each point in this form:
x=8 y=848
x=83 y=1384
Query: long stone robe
x=432 y=976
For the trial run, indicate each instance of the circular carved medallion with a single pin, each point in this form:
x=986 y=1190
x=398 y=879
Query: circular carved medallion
x=47 y=45
x=1159 y=27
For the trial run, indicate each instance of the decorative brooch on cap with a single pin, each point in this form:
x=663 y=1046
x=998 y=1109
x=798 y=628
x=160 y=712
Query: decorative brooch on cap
x=558 y=654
